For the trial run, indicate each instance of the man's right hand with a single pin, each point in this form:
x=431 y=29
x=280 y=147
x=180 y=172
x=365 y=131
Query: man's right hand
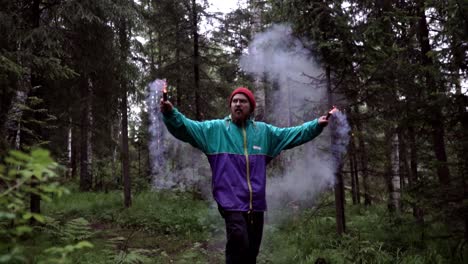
x=165 y=107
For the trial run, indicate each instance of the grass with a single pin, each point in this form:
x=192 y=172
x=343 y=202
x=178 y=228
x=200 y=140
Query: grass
x=159 y=227
x=373 y=236
x=172 y=227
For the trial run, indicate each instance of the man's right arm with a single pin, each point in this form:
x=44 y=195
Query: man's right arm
x=183 y=128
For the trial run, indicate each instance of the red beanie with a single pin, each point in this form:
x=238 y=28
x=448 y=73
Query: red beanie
x=247 y=93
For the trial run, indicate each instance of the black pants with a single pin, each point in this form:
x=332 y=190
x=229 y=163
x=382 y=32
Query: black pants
x=244 y=234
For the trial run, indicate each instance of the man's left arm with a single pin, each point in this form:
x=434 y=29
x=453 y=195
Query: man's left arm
x=290 y=137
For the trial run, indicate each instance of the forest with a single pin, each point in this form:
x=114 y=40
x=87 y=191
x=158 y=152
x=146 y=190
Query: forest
x=89 y=174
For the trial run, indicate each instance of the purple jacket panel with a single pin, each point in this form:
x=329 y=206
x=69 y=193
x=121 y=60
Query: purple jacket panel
x=229 y=182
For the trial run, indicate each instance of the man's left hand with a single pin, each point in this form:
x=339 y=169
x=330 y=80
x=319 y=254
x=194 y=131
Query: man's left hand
x=322 y=121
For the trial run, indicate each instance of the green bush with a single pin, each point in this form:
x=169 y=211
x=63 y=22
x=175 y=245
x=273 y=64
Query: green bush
x=152 y=211
x=22 y=175
x=373 y=236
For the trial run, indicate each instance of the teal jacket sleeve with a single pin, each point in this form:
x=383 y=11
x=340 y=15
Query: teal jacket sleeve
x=187 y=130
x=289 y=137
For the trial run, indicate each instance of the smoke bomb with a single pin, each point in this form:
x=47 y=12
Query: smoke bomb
x=164 y=91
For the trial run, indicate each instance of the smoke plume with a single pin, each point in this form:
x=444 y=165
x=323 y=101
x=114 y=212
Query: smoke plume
x=174 y=164
x=298 y=95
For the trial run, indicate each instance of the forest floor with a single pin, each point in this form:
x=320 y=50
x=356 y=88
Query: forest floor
x=160 y=248
x=174 y=227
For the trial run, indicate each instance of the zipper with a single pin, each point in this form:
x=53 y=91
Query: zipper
x=246 y=153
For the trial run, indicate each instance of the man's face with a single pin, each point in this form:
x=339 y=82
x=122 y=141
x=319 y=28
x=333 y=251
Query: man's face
x=240 y=108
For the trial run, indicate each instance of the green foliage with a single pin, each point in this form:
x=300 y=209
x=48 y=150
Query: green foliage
x=77 y=229
x=89 y=205
x=150 y=211
x=373 y=237
x=164 y=226
x=17 y=174
x=60 y=255
x=21 y=175
x=9 y=66
x=153 y=211
x=158 y=228
x=132 y=257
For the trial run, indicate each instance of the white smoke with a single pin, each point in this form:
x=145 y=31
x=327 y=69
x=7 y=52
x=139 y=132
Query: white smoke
x=299 y=96
x=285 y=61
x=174 y=165
x=300 y=92
x=341 y=137
x=157 y=129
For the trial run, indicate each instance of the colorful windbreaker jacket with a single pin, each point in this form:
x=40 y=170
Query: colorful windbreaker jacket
x=238 y=155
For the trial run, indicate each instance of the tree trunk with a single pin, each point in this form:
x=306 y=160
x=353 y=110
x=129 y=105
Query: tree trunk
x=413 y=171
x=74 y=158
x=363 y=158
x=404 y=167
x=179 y=68
x=15 y=114
x=463 y=160
x=353 y=180
x=394 y=173
x=125 y=160
x=435 y=112
x=35 y=199
x=459 y=63
x=260 y=93
x=70 y=150
x=86 y=177
x=124 y=50
x=354 y=172
x=196 y=61
x=413 y=177
x=339 y=185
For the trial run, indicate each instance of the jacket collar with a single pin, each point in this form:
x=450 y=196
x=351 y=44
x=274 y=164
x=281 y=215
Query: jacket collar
x=229 y=121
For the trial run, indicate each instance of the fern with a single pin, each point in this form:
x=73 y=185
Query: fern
x=60 y=255
x=51 y=226
x=135 y=256
x=131 y=257
x=77 y=229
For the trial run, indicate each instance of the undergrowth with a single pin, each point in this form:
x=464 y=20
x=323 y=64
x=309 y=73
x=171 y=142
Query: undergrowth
x=159 y=227
x=173 y=227
x=373 y=236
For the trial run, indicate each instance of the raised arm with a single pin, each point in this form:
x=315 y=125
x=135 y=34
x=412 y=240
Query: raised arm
x=183 y=128
x=289 y=137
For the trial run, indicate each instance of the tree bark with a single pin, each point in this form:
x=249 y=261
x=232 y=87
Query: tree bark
x=394 y=173
x=339 y=185
x=260 y=93
x=435 y=112
x=196 y=61
x=403 y=154
x=354 y=172
x=125 y=160
x=179 y=68
x=35 y=200
x=69 y=149
x=86 y=177
x=15 y=114
x=74 y=153
x=413 y=172
x=124 y=50
x=413 y=177
x=463 y=104
x=363 y=158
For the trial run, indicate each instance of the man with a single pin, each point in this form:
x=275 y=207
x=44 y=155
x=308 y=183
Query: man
x=238 y=150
